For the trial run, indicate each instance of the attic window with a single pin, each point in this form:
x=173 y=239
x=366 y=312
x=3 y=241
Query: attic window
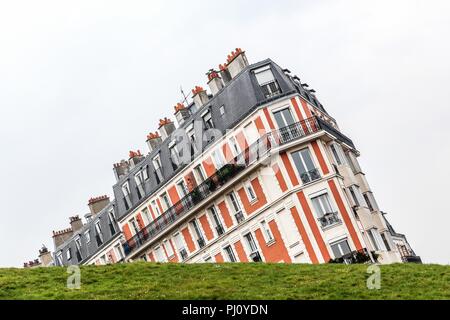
x=267 y=81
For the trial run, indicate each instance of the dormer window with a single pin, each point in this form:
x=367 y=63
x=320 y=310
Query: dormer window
x=158 y=169
x=126 y=195
x=207 y=120
x=140 y=179
x=174 y=155
x=267 y=82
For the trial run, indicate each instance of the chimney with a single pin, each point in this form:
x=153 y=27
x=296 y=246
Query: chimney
x=166 y=127
x=153 y=140
x=75 y=223
x=121 y=169
x=200 y=96
x=236 y=62
x=181 y=113
x=45 y=256
x=215 y=83
x=60 y=236
x=225 y=74
x=135 y=158
x=98 y=204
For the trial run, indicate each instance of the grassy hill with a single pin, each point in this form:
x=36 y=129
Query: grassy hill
x=228 y=281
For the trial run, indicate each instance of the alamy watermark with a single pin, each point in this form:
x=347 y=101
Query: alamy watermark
x=74 y=279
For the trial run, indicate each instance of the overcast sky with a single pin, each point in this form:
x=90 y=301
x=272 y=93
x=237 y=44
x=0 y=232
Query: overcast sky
x=82 y=83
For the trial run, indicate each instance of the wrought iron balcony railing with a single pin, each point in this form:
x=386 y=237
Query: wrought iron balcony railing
x=223 y=175
x=329 y=219
x=310 y=176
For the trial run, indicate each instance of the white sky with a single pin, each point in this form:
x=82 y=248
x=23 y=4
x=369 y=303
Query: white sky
x=82 y=83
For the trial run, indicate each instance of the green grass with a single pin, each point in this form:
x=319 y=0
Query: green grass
x=228 y=281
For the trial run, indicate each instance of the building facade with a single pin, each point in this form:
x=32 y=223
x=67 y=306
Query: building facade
x=255 y=171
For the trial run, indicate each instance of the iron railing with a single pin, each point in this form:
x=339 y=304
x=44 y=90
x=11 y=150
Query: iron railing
x=203 y=191
x=329 y=219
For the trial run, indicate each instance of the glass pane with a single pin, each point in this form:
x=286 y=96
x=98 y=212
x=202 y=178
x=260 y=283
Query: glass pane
x=279 y=119
x=298 y=163
x=326 y=203
x=318 y=207
x=307 y=159
x=288 y=116
x=345 y=247
x=264 y=77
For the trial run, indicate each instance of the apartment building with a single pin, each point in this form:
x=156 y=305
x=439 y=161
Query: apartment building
x=256 y=170
x=98 y=241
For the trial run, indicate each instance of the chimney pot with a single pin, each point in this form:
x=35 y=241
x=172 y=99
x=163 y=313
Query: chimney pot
x=166 y=127
x=97 y=204
x=153 y=140
x=236 y=62
x=215 y=83
x=200 y=96
x=121 y=169
x=181 y=113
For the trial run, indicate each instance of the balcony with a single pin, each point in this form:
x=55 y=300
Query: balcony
x=329 y=219
x=222 y=176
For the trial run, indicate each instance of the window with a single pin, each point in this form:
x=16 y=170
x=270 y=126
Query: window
x=222 y=110
x=236 y=208
x=251 y=245
x=126 y=195
x=156 y=208
x=324 y=210
x=267 y=81
x=69 y=254
x=268 y=236
x=200 y=175
x=200 y=240
x=78 y=246
x=234 y=146
x=182 y=188
x=340 y=249
x=284 y=118
x=146 y=216
x=322 y=205
x=305 y=166
x=139 y=178
x=217 y=222
x=174 y=156
x=168 y=248
x=230 y=254
x=218 y=159
x=158 y=169
x=59 y=258
x=112 y=222
x=191 y=134
x=159 y=255
x=386 y=242
x=370 y=200
x=179 y=244
x=207 y=120
x=166 y=202
x=352 y=162
x=103 y=259
x=356 y=195
x=338 y=154
x=119 y=251
x=250 y=192
x=87 y=236
x=376 y=240
x=134 y=226
x=98 y=234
